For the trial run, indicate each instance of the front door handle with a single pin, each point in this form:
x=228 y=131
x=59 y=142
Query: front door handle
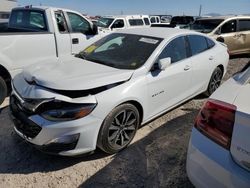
x=75 y=41
x=211 y=58
x=186 y=68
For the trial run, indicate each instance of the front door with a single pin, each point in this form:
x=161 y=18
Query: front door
x=80 y=32
x=169 y=87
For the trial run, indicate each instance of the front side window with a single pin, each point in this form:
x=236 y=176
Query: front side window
x=118 y=24
x=135 y=22
x=176 y=50
x=229 y=27
x=121 y=51
x=197 y=43
x=78 y=23
x=244 y=25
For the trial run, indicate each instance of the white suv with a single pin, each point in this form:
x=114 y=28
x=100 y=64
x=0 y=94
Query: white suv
x=122 y=81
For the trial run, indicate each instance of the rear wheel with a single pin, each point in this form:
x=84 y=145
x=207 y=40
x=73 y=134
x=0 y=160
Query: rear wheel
x=3 y=90
x=215 y=81
x=119 y=128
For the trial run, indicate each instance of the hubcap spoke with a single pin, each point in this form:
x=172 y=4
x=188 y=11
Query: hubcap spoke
x=113 y=136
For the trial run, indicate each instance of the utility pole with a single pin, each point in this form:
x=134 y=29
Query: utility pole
x=200 y=10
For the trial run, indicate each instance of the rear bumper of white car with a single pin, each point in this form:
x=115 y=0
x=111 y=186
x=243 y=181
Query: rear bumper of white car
x=68 y=138
x=210 y=165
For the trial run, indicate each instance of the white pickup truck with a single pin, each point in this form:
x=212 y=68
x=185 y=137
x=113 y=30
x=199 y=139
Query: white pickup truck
x=37 y=34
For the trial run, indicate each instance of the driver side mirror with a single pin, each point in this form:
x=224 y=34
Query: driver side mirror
x=164 y=63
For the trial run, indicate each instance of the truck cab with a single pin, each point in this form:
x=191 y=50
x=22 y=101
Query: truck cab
x=114 y=23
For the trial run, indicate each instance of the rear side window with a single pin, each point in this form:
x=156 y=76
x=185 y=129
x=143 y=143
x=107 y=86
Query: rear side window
x=229 y=27
x=146 y=20
x=210 y=43
x=176 y=50
x=152 y=20
x=28 y=19
x=244 y=25
x=197 y=43
x=135 y=22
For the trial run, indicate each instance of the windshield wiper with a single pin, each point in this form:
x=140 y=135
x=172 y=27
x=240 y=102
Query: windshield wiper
x=81 y=55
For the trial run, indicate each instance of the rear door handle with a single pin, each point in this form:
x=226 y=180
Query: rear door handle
x=211 y=58
x=186 y=68
x=75 y=41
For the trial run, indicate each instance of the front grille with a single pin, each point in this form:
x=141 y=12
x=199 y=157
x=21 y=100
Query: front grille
x=21 y=120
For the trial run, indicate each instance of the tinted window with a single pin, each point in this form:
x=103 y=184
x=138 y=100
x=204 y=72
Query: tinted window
x=197 y=43
x=176 y=50
x=146 y=20
x=153 y=20
x=27 y=19
x=229 y=27
x=206 y=25
x=118 y=24
x=135 y=22
x=78 y=23
x=244 y=25
x=210 y=43
x=122 y=51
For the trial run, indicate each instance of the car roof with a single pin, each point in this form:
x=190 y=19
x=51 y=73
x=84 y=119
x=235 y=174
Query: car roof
x=224 y=17
x=126 y=16
x=158 y=32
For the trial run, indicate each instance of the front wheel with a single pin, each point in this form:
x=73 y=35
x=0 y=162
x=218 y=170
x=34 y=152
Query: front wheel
x=3 y=90
x=215 y=81
x=119 y=128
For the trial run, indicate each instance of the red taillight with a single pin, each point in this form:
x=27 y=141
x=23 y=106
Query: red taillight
x=216 y=121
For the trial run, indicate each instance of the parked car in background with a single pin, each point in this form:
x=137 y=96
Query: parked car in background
x=181 y=21
x=160 y=20
x=36 y=34
x=234 y=31
x=107 y=24
x=219 y=148
x=116 y=84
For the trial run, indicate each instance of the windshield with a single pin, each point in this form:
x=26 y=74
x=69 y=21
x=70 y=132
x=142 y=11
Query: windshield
x=182 y=20
x=205 y=26
x=104 y=22
x=122 y=51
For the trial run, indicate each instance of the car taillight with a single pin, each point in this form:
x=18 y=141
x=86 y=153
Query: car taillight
x=216 y=121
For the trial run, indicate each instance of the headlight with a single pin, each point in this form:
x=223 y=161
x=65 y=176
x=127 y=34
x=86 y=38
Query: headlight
x=69 y=113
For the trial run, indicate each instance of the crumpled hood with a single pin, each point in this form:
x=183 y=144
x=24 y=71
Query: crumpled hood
x=75 y=74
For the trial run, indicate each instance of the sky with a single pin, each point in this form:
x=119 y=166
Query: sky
x=173 y=7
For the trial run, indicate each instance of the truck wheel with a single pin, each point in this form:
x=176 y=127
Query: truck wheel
x=119 y=128
x=214 y=82
x=3 y=90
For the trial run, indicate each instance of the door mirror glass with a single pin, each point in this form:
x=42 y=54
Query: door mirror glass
x=164 y=63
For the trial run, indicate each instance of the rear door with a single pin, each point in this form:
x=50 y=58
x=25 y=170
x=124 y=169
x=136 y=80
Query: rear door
x=240 y=145
x=244 y=34
x=202 y=58
x=80 y=32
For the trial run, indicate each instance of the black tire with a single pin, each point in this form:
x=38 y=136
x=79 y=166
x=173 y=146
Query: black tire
x=3 y=90
x=214 y=82
x=119 y=128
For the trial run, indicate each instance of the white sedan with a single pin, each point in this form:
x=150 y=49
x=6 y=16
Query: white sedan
x=103 y=95
x=219 y=149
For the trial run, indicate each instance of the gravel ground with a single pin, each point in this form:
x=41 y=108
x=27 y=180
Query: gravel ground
x=156 y=158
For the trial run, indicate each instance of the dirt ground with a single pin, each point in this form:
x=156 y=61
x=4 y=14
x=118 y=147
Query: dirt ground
x=156 y=158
